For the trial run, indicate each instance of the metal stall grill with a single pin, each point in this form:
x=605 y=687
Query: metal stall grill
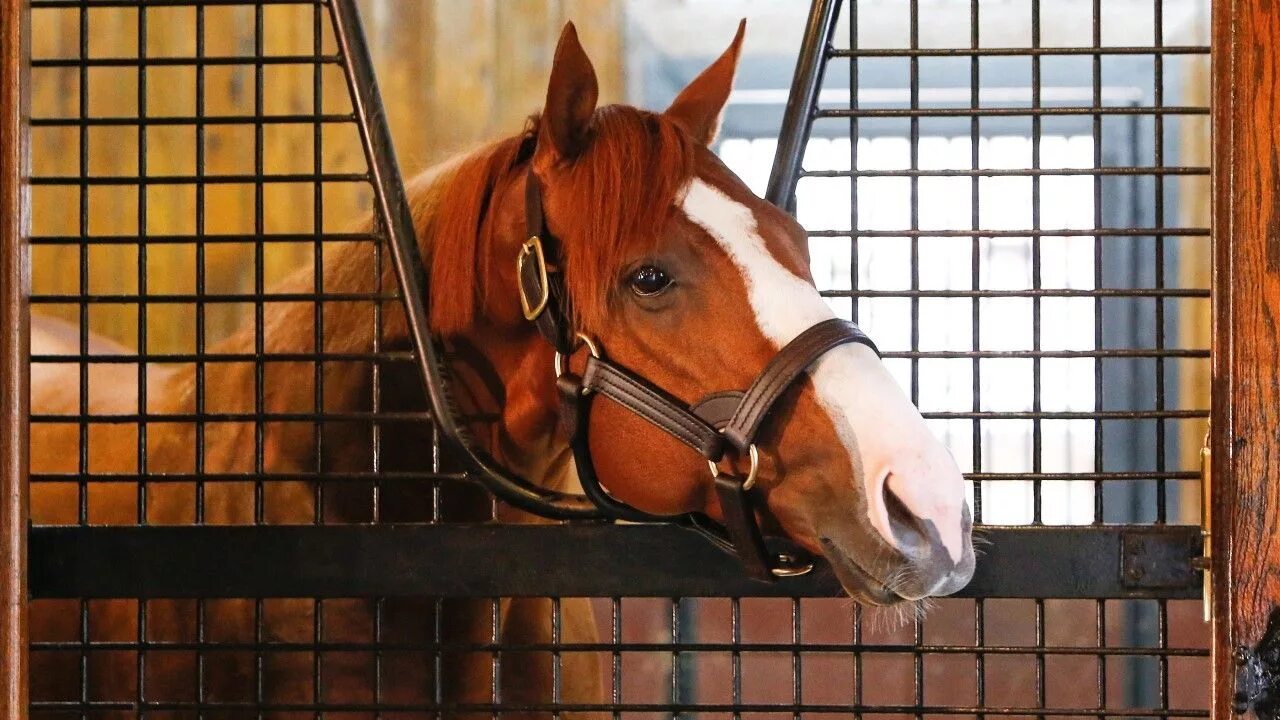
x=244 y=516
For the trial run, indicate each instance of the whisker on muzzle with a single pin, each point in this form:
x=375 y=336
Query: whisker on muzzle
x=895 y=617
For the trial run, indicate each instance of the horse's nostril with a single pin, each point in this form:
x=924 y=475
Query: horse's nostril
x=908 y=529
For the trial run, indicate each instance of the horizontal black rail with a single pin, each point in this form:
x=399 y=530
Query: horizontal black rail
x=127 y=180
x=209 y=239
x=164 y=3
x=422 y=416
x=1021 y=51
x=594 y=560
x=187 y=60
x=1024 y=293
x=1109 y=171
x=396 y=356
x=683 y=646
x=144 y=707
x=240 y=119
x=1019 y=110
x=252 y=476
x=1106 y=232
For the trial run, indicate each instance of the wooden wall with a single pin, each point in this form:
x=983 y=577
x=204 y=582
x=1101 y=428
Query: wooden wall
x=452 y=74
x=1246 y=362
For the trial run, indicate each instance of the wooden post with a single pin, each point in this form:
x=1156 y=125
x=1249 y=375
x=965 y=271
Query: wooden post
x=14 y=207
x=1246 y=362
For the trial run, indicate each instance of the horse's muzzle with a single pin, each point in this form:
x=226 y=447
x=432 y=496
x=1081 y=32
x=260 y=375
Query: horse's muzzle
x=917 y=566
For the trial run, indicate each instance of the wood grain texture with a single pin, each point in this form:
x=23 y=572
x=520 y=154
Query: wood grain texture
x=14 y=273
x=1246 y=363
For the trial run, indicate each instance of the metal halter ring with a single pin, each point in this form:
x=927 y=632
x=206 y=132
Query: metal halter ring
x=790 y=566
x=750 y=482
x=591 y=345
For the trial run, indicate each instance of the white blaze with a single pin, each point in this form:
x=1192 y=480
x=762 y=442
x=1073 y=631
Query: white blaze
x=879 y=426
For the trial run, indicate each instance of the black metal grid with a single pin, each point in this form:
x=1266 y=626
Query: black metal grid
x=722 y=657
x=337 y=172
x=1136 y=318
x=719 y=657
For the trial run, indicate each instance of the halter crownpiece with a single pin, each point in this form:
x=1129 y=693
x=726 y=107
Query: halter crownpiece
x=721 y=423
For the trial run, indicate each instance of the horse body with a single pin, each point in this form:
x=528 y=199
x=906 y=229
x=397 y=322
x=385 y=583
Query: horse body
x=287 y=677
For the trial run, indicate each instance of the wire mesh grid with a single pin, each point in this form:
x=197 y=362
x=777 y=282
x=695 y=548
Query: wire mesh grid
x=220 y=184
x=1012 y=216
x=198 y=172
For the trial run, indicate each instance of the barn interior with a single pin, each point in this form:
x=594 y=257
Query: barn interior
x=1010 y=196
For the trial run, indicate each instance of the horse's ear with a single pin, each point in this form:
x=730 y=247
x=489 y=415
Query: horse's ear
x=700 y=105
x=571 y=98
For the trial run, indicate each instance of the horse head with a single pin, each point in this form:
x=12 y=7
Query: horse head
x=676 y=271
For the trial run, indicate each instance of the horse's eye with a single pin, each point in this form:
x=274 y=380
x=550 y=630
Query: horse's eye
x=649 y=280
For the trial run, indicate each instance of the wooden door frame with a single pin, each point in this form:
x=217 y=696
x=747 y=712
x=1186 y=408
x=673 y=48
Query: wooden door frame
x=14 y=278
x=1246 y=359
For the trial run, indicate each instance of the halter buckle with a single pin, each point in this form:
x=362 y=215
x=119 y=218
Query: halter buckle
x=533 y=248
x=750 y=482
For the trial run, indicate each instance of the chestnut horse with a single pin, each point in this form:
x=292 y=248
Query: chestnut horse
x=672 y=266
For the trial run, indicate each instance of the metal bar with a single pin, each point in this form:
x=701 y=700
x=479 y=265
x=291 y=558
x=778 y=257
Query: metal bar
x=163 y=3
x=1094 y=109
x=256 y=297
x=402 y=356
x=460 y=560
x=15 y=206
x=392 y=209
x=1033 y=51
x=1125 y=170
x=332 y=476
x=497 y=709
x=487 y=646
x=123 y=120
x=193 y=61
x=802 y=102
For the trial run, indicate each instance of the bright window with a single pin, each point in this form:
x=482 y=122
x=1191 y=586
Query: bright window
x=883 y=270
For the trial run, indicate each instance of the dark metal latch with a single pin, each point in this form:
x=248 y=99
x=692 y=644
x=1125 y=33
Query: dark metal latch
x=1258 y=674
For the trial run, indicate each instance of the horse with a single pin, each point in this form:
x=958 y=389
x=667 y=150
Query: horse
x=671 y=267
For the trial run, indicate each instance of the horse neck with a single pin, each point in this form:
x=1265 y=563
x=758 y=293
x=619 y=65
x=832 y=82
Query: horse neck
x=502 y=368
x=290 y=385
x=349 y=328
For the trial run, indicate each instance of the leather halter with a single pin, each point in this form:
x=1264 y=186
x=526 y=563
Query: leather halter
x=720 y=424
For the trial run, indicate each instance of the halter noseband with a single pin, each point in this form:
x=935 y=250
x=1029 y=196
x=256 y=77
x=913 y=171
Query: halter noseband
x=720 y=423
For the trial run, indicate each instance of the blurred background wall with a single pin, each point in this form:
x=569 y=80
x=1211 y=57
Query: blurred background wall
x=452 y=74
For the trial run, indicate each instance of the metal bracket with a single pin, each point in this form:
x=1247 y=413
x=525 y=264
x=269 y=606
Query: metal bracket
x=1258 y=674
x=1205 y=562
x=1149 y=561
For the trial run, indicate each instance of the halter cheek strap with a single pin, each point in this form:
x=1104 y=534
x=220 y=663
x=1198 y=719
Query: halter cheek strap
x=722 y=422
x=542 y=298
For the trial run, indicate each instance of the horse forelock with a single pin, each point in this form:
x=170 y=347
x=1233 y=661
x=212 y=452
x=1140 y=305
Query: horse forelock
x=607 y=205
x=613 y=203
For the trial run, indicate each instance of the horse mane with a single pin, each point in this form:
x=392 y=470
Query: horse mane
x=626 y=185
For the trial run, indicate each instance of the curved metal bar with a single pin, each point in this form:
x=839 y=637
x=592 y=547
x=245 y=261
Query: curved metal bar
x=392 y=211
x=797 y=119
